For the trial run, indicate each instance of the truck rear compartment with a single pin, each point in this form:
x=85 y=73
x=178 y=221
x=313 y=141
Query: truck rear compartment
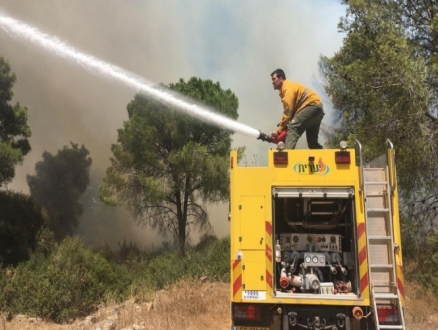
x=315 y=244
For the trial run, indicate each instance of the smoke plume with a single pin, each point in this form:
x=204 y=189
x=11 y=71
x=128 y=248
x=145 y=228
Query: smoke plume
x=238 y=43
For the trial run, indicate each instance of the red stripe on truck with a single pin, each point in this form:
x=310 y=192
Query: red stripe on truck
x=364 y=282
x=237 y=285
x=362 y=255
x=269 y=278
x=268 y=228
x=360 y=230
x=268 y=252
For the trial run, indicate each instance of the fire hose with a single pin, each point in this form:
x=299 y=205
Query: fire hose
x=267 y=138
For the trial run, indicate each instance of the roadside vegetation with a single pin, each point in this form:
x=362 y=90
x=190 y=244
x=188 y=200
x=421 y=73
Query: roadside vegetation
x=71 y=280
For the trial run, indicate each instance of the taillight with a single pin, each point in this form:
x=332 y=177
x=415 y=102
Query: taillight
x=388 y=314
x=248 y=312
x=280 y=158
x=342 y=157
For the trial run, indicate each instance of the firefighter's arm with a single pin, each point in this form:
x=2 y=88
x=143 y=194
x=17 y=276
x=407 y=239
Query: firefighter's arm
x=289 y=99
x=284 y=120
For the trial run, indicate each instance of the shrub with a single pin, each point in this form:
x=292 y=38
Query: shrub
x=212 y=261
x=69 y=282
x=20 y=220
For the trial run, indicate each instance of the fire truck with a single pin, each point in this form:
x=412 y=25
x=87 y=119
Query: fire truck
x=315 y=241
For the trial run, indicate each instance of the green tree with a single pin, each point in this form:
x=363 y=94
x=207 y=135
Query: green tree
x=57 y=185
x=166 y=164
x=420 y=21
x=383 y=83
x=20 y=221
x=14 y=131
x=378 y=85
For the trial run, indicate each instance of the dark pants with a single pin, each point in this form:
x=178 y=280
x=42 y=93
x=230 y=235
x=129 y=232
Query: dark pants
x=308 y=120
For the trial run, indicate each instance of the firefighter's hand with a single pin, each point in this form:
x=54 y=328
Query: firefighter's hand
x=274 y=134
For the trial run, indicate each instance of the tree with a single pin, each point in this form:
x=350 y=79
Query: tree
x=166 y=163
x=20 y=222
x=378 y=85
x=57 y=185
x=420 y=22
x=383 y=83
x=14 y=131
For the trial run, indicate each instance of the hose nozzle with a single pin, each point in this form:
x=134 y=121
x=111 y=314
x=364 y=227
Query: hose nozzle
x=264 y=137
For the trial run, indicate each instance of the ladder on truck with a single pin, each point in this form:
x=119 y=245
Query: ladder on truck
x=378 y=184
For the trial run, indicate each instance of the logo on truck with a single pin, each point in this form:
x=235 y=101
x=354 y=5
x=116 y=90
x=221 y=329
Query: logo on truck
x=319 y=168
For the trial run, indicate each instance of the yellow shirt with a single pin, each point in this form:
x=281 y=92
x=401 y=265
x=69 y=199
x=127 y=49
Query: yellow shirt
x=295 y=97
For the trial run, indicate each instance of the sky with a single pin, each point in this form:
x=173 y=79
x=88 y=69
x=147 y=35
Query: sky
x=237 y=43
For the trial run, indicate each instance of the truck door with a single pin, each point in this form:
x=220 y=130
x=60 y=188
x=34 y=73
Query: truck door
x=252 y=222
x=252 y=243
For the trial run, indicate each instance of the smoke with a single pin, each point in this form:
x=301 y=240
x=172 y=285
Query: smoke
x=107 y=70
x=238 y=43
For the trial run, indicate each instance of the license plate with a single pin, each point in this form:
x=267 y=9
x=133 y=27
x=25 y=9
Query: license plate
x=254 y=295
x=250 y=328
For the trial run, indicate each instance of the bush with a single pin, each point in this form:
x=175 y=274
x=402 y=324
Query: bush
x=212 y=261
x=70 y=282
x=66 y=280
x=424 y=267
x=20 y=220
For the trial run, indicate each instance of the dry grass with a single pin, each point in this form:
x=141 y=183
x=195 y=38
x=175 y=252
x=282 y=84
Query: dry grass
x=421 y=308
x=194 y=305
x=188 y=305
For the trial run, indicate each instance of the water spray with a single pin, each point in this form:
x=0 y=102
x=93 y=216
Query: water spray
x=16 y=28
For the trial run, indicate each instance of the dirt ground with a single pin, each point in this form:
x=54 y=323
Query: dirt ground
x=195 y=305
x=187 y=305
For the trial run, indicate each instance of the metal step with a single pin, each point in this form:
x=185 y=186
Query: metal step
x=385 y=295
x=379 y=238
x=376 y=182
x=381 y=284
x=376 y=194
x=381 y=266
x=377 y=209
x=390 y=327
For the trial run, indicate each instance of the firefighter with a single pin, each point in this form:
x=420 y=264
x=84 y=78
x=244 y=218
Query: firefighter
x=302 y=111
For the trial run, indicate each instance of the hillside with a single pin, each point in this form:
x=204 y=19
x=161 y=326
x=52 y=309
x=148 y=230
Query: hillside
x=192 y=305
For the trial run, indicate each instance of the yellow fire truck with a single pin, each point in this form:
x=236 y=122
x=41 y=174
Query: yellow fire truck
x=315 y=242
